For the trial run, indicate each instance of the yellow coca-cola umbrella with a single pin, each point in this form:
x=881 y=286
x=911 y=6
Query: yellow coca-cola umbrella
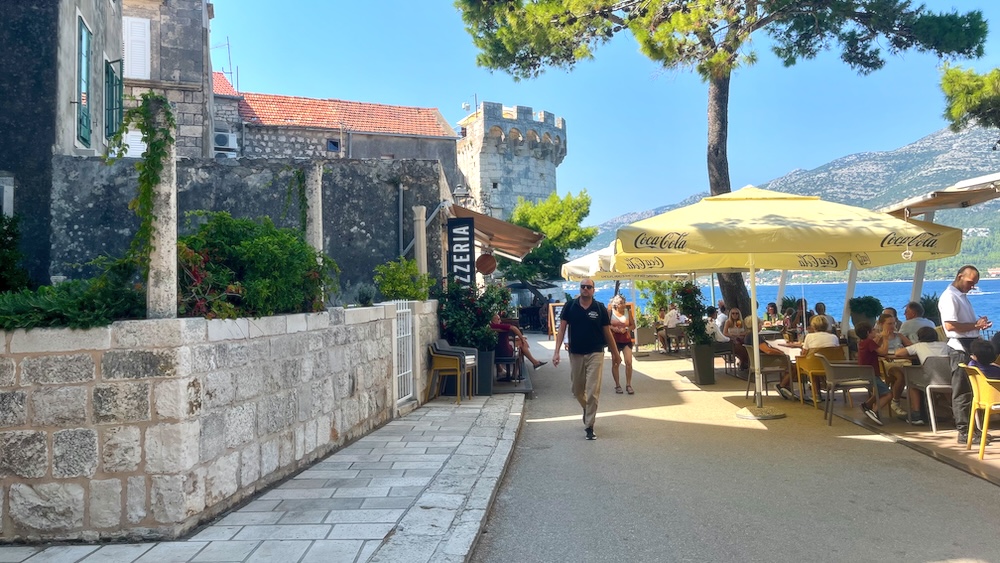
x=752 y=229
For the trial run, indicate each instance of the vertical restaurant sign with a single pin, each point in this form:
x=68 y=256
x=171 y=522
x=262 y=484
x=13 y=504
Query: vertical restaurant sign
x=461 y=250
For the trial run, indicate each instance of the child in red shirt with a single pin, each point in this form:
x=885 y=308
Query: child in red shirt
x=868 y=355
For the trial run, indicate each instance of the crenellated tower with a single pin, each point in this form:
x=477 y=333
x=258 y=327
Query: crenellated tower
x=509 y=152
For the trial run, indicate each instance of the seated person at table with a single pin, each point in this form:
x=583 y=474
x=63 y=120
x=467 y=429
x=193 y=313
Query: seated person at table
x=889 y=341
x=830 y=321
x=926 y=347
x=712 y=327
x=802 y=314
x=771 y=316
x=868 y=355
x=504 y=346
x=817 y=338
x=984 y=357
x=668 y=319
x=914 y=313
x=734 y=330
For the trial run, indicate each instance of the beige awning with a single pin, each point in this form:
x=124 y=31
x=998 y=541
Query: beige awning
x=500 y=237
x=963 y=194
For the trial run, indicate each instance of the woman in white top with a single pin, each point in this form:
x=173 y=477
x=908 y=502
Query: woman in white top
x=820 y=337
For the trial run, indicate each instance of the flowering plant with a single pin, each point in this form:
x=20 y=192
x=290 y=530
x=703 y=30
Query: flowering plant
x=464 y=313
x=688 y=298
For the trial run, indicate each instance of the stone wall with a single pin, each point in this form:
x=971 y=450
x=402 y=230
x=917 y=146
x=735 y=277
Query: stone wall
x=362 y=225
x=143 y=429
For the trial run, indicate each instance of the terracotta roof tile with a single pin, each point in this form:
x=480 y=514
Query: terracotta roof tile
x=222 y=86
x=292 y=111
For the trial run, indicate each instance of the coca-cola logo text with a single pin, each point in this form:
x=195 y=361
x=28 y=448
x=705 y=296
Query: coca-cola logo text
x=632 y=263
x=818 y=262
x=666 y=241
x=922 y=240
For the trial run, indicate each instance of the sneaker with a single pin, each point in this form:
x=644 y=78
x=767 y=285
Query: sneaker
x=590 y=433
x=785 y=393
x=896 y=410
x=871 y=414
x=918 y=421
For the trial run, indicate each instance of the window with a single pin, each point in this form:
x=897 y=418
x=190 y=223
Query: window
x=113 y=98
x=496 y=185
x=332 y=145
x=83 y=86
x=135 y=35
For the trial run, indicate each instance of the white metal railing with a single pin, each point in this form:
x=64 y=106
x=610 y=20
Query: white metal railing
x=404 y=350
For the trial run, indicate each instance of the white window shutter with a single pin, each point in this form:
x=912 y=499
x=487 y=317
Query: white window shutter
x=135 y=145
x=137 y=52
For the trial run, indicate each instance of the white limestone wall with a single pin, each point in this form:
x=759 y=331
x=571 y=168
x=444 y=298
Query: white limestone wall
x=143 y=429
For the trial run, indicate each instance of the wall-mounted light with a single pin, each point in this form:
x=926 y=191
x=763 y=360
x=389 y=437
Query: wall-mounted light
x=461 y=193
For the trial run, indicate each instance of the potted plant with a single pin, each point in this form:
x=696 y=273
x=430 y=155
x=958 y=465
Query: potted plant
x=864 y=309
x=464 y=314
x=688 y=298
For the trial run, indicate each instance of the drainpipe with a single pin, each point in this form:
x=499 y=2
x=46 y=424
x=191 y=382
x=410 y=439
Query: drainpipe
x=400 y=215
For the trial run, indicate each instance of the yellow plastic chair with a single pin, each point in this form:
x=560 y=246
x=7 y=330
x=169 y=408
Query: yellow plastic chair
x=985 y=396
x=810 y=367
x=444 y=365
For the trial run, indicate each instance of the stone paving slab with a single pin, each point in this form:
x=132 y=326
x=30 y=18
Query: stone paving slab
x=417 y=489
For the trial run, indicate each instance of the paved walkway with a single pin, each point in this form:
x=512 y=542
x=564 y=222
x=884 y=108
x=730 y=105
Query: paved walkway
x=418 y=489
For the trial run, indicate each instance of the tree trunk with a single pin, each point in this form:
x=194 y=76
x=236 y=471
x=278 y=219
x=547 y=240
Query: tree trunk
x=734 y=290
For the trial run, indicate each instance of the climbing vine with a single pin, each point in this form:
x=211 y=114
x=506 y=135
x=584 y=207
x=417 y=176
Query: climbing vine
x=153 y=118
x=297 y=189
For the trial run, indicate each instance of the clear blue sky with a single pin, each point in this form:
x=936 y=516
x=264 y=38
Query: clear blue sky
x=636 y=134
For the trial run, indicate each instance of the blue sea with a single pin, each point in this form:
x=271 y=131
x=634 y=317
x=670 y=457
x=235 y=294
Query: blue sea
x=891 y=294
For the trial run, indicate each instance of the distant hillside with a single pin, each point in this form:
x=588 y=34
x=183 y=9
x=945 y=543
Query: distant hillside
x=877 y=179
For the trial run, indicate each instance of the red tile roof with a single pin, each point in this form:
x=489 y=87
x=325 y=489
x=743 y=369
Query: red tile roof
x=221 y=85
x=293 y=111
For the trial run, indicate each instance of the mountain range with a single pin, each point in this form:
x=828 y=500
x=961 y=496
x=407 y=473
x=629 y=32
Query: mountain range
x=877 y=179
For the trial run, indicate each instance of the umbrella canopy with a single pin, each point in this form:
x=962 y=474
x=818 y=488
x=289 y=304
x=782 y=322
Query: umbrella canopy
x=755 y=229
x=781 y=231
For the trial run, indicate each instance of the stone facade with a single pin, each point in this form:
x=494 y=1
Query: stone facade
x=38 y=116
x=506 y=153
x=180 y=67
x=143 y=429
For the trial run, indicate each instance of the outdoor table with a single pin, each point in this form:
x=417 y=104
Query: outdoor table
x=770 y=335
x=793 y=352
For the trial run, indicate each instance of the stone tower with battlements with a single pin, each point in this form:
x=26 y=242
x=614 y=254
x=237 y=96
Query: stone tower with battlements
x=508 y=152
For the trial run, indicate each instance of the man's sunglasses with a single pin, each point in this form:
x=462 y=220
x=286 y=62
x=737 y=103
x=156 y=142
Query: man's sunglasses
x=585 y=286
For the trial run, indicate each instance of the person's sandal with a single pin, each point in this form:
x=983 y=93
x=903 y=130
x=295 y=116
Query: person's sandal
x=630 y=390
x=618 y=389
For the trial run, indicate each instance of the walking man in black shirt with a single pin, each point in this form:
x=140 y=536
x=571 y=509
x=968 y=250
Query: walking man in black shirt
x=589 y=331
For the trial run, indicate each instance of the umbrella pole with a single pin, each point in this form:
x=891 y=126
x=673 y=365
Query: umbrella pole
x=758 y=411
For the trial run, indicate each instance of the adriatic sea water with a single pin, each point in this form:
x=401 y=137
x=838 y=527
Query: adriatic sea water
x=891 y=294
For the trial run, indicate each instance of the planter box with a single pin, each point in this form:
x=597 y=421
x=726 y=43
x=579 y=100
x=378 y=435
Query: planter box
x=703 y=358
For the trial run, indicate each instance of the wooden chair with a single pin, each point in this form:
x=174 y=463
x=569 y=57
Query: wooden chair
x=985 y=397
x=811 y=368
x=451 y=363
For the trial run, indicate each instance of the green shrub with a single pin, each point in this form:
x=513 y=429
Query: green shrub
x=79 y=304
x=400 y=279
x=241 y=267
x=464 y=314
x=366 y=294
x=13 y=277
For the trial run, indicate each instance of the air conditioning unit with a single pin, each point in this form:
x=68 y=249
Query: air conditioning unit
x=224 y=154
x=225 y=141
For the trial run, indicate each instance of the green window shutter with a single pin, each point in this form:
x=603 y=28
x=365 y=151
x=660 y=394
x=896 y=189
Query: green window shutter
x=113 y=98
x=83 y=87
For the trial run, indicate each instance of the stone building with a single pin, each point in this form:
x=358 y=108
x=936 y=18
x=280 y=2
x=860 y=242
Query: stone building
x=506 y=153
x=167 y=52
x=61 y=88
x=274 y=126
